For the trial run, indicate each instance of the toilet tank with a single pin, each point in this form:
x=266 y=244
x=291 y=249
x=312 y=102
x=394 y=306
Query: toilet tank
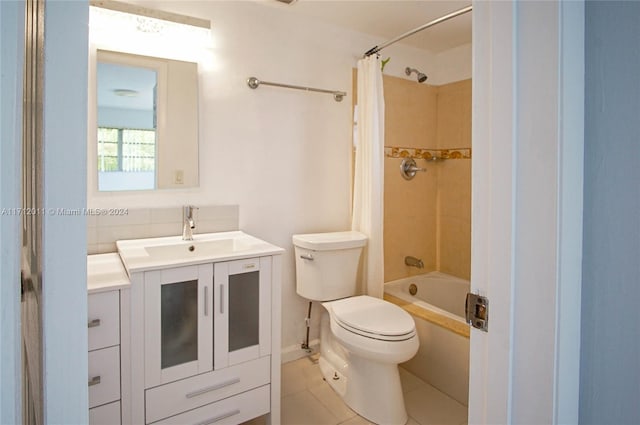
x=327 y=264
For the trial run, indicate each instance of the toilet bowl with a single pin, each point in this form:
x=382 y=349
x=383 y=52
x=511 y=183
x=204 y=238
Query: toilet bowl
x=362 y=341
x=362 y=338
x=373 y=328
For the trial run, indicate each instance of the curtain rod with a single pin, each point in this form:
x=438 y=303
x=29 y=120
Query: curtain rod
x=376 y=49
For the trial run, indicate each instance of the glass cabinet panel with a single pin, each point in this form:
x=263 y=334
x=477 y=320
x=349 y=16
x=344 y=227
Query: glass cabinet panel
x=242 y=319
x=244 y=310
x=179 y=323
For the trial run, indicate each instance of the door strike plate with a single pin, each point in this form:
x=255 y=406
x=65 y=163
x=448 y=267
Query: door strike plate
x=477 y=311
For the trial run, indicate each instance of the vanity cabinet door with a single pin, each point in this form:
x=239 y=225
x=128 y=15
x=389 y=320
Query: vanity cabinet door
x=242 y=297
x=178 y=323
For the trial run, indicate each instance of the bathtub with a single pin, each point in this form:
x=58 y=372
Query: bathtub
x=438 y=310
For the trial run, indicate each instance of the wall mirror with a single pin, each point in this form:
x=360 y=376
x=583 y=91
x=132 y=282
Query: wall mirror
x=147 y=122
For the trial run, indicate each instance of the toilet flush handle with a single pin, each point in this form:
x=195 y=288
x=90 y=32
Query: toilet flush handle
x=307 y=257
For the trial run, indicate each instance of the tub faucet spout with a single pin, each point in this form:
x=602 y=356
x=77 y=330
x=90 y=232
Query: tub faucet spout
x=413 y=262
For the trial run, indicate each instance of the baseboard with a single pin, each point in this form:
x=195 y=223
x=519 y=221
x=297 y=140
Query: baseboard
x=294 y=352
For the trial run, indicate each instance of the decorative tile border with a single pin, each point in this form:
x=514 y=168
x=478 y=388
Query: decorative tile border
x=428 y=154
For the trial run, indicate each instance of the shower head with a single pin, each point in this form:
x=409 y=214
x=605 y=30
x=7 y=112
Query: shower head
x=421 y=76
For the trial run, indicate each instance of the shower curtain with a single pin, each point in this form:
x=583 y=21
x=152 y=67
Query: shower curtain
x=368 y=191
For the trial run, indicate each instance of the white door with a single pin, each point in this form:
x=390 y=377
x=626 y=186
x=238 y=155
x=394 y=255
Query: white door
x=178 y=315
x=527 y=210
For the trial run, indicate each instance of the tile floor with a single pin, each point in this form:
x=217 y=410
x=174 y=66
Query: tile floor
x=308 y=400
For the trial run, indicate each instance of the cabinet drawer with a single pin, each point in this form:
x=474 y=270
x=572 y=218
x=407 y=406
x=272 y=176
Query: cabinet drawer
x=180 y=396
x=104 y=376
x=103 y=319
x=108 y=414
x=230 y=411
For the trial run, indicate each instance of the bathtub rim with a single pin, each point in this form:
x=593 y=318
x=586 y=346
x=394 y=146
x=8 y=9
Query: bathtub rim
x=423 y=309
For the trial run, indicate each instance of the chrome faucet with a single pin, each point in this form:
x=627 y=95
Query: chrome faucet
x=413 y=262
x=187 y=222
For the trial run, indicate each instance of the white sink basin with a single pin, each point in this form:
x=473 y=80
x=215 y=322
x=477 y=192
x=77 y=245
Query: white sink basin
x=156 y=253
x=190 y=249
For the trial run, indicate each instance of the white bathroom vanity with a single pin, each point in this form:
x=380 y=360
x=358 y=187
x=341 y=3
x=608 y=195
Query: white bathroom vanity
x=198 y=322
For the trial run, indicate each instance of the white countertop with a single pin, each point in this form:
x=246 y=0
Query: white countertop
x=159 y=253
x=105 y=272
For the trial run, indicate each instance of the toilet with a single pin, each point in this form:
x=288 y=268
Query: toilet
x=362 y=338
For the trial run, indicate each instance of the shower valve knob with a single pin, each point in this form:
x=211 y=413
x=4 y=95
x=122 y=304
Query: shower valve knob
x=408 y=168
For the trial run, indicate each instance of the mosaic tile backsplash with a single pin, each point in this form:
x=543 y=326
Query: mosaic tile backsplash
x=428 y=154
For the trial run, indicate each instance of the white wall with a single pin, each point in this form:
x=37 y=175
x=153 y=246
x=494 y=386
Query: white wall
x=452 y=65
x=282 y=155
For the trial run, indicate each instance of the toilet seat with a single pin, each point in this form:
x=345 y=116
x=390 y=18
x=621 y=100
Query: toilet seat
x=373 y=318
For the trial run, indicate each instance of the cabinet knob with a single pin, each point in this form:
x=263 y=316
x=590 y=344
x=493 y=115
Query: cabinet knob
x=94 y=381
x=94 y=323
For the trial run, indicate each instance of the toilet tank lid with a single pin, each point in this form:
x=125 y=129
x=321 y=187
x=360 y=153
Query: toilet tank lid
x=330 y=241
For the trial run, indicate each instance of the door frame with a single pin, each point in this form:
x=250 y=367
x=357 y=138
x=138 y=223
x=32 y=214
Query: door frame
x=527 y=132
x=63 y=235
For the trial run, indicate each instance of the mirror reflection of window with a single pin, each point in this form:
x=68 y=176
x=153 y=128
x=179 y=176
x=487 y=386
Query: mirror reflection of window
x=126 y=127
x=146 y=132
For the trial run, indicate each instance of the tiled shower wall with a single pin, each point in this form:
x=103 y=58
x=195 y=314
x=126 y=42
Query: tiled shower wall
x=104 y=230
x=428 y=217
x=410 y=209
x=454 y=180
